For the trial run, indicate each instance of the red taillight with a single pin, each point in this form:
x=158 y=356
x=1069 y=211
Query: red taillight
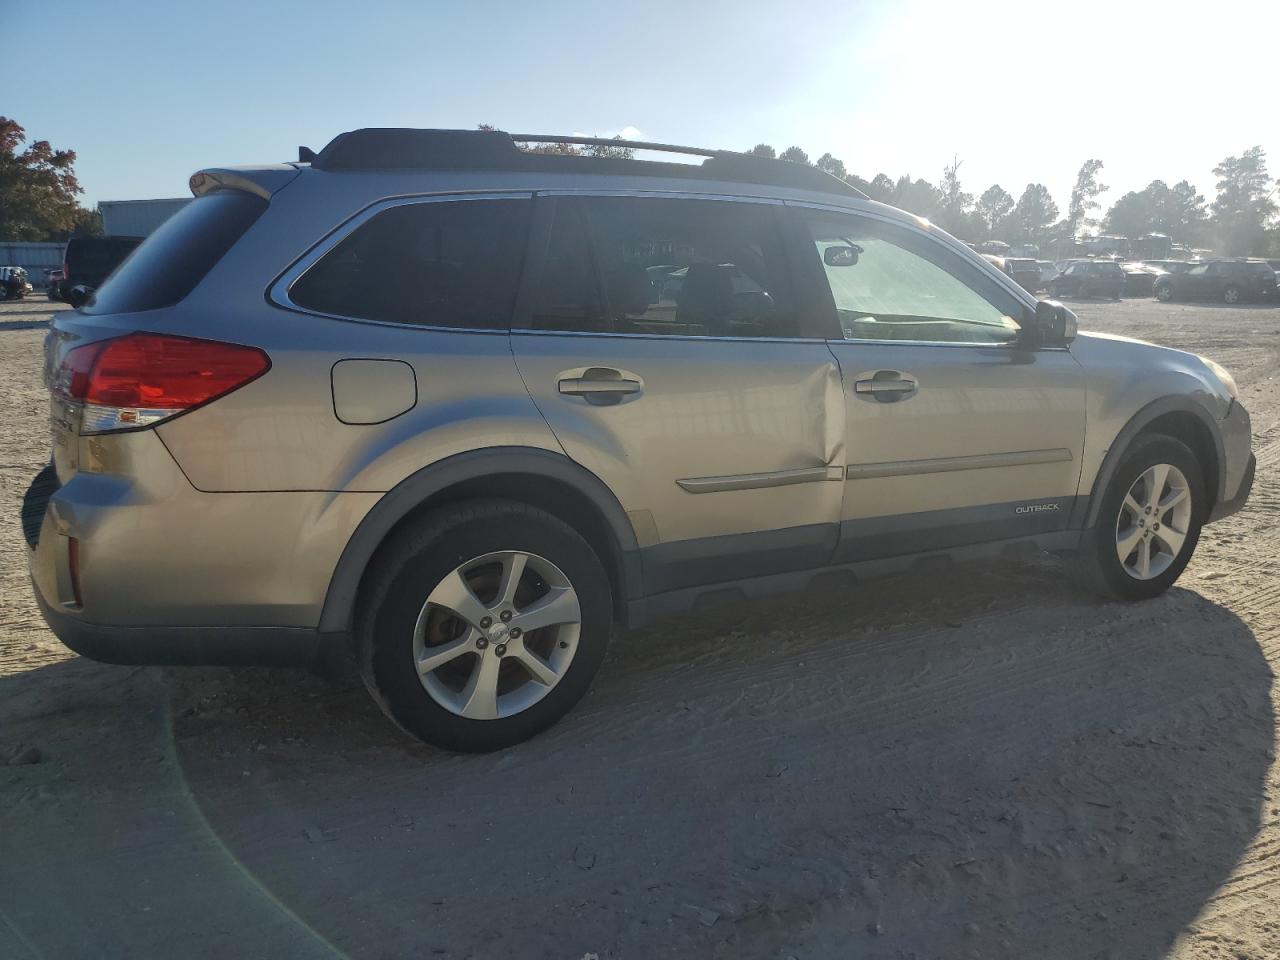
x=154 y=372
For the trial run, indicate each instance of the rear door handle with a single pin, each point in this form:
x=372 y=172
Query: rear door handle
x=886 y=386
x=601 y=386
x=581 y=386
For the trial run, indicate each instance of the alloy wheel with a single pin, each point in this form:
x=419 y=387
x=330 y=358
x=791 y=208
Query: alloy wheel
x=1154 y=520
x=497 y=634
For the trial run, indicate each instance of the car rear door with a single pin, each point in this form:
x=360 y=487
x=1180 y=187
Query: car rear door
x=957 y=434
x=661 y=339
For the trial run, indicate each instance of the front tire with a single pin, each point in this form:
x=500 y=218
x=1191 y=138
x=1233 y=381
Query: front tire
x=1164 y=294
x=483 y=624
x=1148 y=522
x=1231 y=295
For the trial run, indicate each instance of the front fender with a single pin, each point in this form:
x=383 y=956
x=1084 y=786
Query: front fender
x=1136 y=424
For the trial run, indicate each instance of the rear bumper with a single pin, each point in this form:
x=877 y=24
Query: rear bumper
x=186 y=646
x=134 y=565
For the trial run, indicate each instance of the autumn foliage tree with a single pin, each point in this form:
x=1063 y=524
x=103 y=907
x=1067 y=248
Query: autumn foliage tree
x=38 y=187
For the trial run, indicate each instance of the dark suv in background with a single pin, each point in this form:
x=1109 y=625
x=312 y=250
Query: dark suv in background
x=1229 y=281
x=87 y=262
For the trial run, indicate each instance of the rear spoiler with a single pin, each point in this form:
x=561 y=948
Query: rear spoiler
x=262 y=181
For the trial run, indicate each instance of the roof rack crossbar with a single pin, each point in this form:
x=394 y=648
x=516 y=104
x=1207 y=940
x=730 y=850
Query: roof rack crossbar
x=619 y=142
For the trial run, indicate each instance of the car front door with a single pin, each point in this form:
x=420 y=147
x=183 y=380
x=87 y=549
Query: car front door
x=957 y=433
x=660 y=337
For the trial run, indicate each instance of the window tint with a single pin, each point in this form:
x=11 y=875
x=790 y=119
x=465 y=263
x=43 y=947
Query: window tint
x=890 y=283
x=1199 y=271
x=700 y=268
x=565 y=295
x=177 y=256
x=451 y=263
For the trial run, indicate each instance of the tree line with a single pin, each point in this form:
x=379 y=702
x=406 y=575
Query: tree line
x=1241 y=221
x=39 y=199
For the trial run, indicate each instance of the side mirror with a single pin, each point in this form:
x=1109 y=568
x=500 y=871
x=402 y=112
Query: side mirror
x=1052 y=325
x=845 y=255
x=79 y=295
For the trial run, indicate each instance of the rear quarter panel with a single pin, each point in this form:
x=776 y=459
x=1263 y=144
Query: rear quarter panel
x=281 y=432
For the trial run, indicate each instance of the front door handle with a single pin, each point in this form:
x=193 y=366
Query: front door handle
x=886 y=386
x=602 y=386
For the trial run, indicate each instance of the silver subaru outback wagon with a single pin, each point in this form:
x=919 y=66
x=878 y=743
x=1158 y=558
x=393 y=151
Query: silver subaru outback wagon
x=462 y=407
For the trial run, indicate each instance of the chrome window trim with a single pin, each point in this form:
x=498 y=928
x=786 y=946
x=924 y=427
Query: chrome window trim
x=528 y=332
x=1019 y=294
x=279 y=292
x=985 y=344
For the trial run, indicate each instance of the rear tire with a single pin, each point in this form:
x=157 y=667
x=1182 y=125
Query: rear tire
x=487 y=689
x=1124 y=518
x=1231 y=295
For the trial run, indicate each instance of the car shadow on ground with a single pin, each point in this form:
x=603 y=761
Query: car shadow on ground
x=979 y=763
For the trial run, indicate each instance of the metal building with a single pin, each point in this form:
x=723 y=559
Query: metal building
x=137 y=218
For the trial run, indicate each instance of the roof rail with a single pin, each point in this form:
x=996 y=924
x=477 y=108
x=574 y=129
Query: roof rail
x=393 y=148
x=619 y=142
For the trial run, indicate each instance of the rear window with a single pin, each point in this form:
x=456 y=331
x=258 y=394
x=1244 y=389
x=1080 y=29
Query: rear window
x=453 y=263
x=176 y=257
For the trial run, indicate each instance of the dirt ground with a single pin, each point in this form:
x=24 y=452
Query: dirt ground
x=984 y=763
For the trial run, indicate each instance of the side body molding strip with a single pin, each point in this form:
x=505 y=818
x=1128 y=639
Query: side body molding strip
x=983 y=461
x=754 y=481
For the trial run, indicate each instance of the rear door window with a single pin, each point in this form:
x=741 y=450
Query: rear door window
x=449 y=263
x=667 y=267
x=177 y=256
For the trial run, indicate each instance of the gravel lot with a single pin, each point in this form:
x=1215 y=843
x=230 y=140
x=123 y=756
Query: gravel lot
x=984 y=764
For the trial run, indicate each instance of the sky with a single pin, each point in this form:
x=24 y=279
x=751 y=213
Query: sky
x=148 y=92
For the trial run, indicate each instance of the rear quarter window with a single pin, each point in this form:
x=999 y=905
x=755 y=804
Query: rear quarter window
x=446 y=263
x=177 y=256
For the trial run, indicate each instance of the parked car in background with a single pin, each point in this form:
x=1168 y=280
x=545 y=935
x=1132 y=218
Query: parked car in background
x=1089 y=278
x=1140 y=279
x=1230 y=281
x=52 y=283
x=14 y=284
x=88 y=261
x=261 y=448
x=1024 y=272
x=1047 y=272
